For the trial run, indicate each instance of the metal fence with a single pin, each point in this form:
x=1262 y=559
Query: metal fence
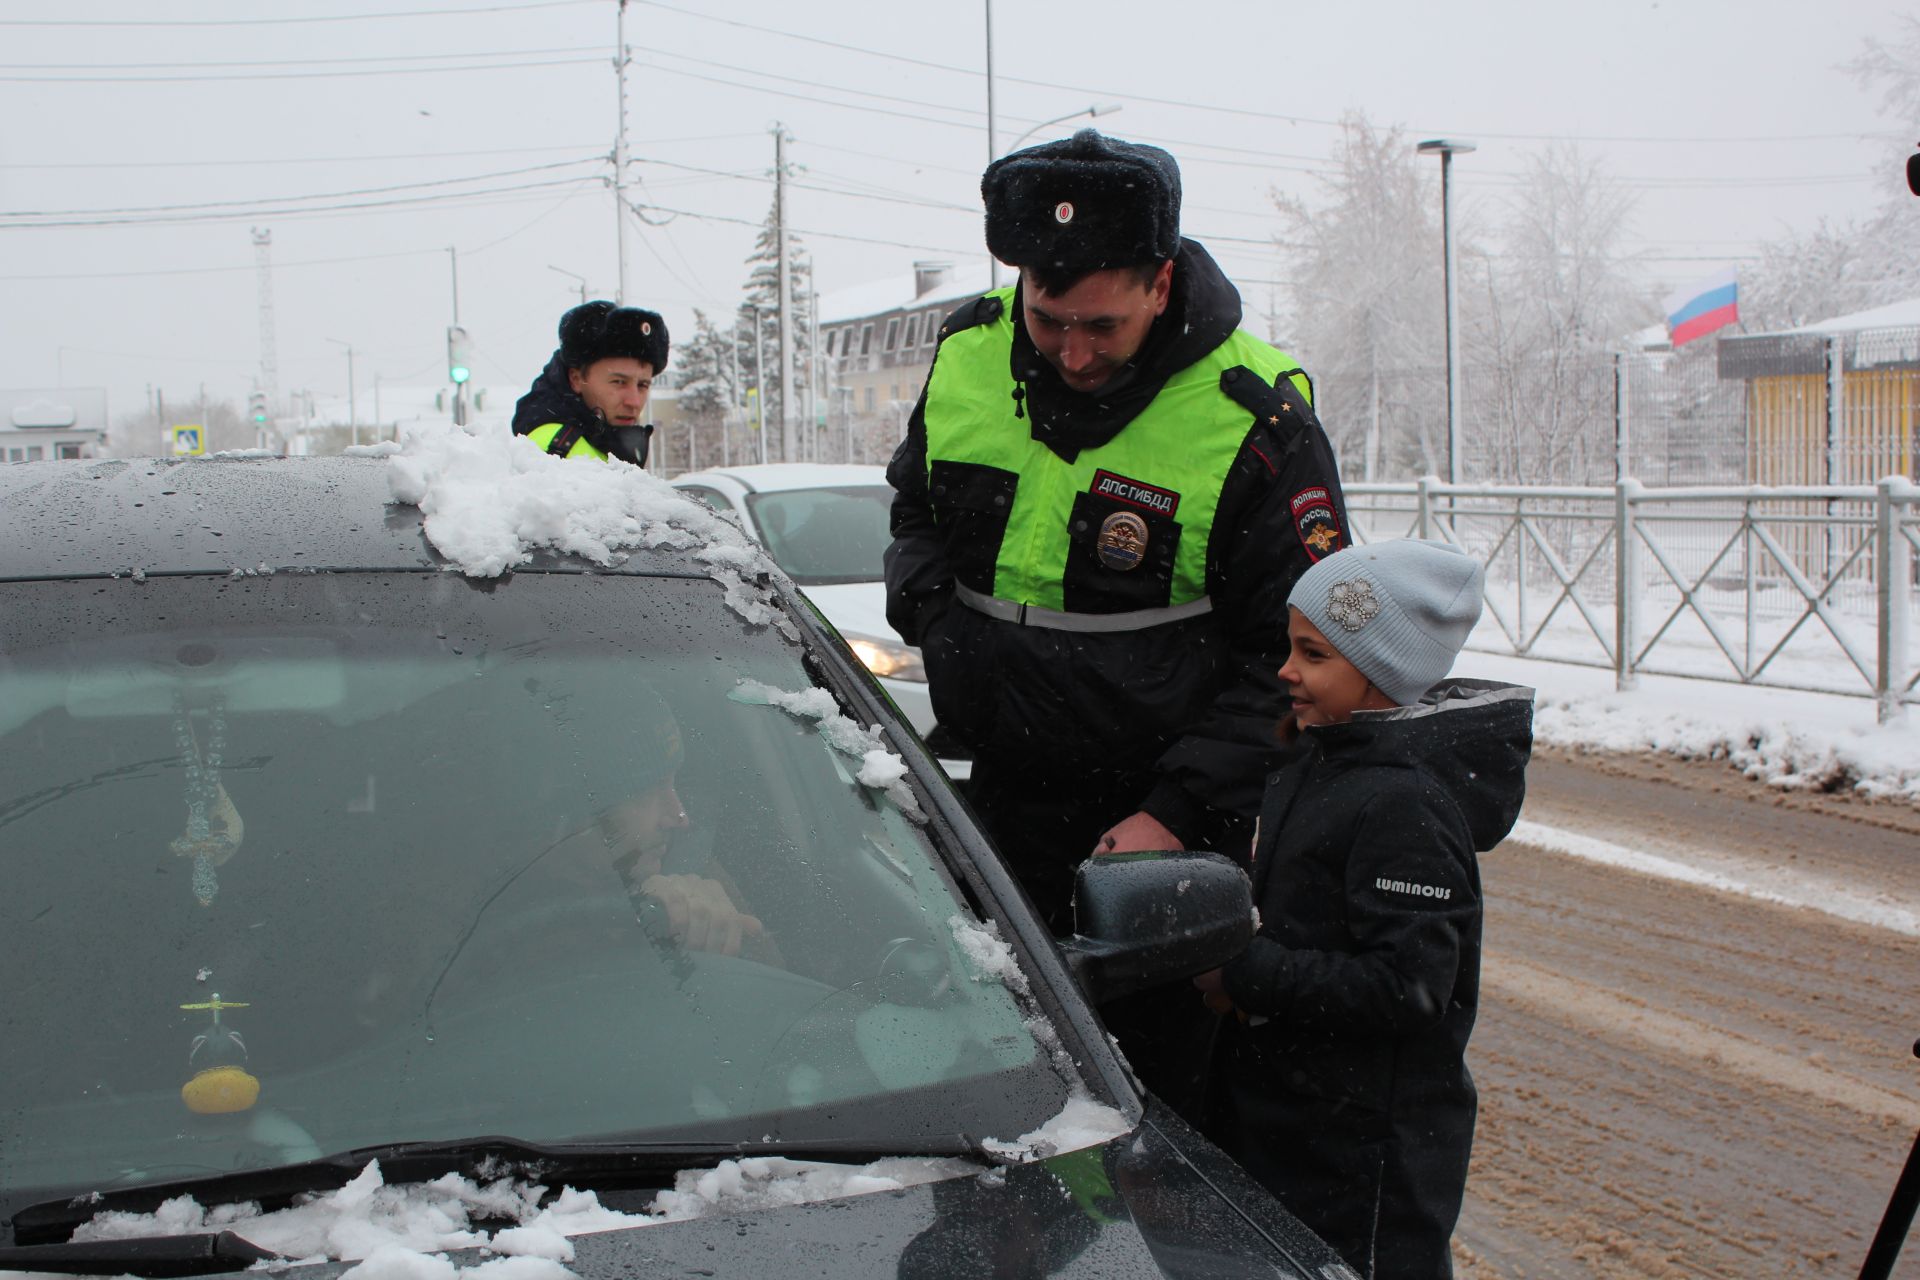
x=1809 y=588
x=1782 y=409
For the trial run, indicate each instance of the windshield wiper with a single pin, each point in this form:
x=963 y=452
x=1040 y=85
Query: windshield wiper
x=195 y=1255
x=601 y=1164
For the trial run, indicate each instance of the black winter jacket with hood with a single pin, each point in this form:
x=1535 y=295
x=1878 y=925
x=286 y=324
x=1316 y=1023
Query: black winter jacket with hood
x=1177 y=719
x=1360 y=989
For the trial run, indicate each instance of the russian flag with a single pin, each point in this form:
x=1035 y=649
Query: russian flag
x=1698 y=309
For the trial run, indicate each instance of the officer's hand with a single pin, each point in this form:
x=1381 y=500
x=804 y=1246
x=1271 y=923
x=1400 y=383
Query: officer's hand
x=700 y=916
x=1137 y=833
x=1213 y=991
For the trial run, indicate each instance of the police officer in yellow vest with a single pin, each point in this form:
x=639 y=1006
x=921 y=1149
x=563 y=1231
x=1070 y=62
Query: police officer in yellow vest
x=1104 y=496
x=589 y=400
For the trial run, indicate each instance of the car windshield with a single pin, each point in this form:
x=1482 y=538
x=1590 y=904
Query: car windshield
x=823 y=536
x=384 y=869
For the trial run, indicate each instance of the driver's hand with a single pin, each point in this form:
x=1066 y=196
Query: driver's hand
x=700 y=916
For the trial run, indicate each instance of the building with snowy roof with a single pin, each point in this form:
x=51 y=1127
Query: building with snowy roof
x=877 y=342
x=39 y=423
x=1834 y=402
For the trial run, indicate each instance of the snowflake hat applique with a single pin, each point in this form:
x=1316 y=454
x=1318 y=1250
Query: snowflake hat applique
x=1352 y=604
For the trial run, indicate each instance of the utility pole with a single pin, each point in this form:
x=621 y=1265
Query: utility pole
x=813 y=369
x=621 y=56
x=353 y=420
x=735 y=402
x=460 y=386
x=993 y=145
x=760 y=374
x=787 y=450
x=269 y=345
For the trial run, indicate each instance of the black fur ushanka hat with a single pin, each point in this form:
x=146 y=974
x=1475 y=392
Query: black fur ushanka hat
x=599 y=330
x=1087 y=203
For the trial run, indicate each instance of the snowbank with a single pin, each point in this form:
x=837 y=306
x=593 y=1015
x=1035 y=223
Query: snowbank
x=1784 y=738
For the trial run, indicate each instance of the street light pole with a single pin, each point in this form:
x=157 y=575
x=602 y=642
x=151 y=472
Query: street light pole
x=993 y=151
x=993 y=145
x=1446 y=149
x=353 y=421
x=577 y=276
x=1096 y=110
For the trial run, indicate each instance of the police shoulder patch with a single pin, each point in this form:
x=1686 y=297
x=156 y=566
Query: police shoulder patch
x=1317 y=523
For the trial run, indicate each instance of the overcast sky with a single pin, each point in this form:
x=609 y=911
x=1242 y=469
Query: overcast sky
x=1730 y=121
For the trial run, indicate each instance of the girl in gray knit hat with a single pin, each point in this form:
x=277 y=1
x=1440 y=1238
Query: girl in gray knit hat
x=1339 y=1079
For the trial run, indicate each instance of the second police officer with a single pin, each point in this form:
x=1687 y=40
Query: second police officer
x=591 y=399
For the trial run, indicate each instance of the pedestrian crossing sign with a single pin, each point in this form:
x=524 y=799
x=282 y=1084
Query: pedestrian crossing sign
x=188 y=438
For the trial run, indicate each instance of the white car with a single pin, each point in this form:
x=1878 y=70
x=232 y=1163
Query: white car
x=826 y=525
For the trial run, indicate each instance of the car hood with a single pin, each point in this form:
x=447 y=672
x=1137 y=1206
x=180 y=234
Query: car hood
x=854 y=608
x=1157 y=1201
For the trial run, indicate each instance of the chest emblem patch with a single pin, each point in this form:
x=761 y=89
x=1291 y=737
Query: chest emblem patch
x=1123 y=541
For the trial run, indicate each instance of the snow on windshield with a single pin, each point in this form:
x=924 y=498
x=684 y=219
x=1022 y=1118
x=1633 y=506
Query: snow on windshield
x=399 y=1230
x=491 y=502
x=881 y=769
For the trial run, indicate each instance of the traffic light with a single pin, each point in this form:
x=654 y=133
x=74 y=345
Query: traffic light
x=257 y=408
x=459 y=354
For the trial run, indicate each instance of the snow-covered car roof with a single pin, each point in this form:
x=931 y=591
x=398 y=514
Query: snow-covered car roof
x=778 y=477
x=253 y=514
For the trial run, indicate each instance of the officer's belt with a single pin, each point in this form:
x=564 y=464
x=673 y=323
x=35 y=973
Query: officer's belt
x=1033 y=615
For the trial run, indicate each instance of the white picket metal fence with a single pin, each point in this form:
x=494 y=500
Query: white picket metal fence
x=1798 y=588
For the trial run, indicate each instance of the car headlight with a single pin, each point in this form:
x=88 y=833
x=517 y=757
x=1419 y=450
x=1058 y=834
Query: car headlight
x=888 y=658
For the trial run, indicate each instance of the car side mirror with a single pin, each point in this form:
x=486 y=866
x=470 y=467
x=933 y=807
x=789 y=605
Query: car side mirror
x=1141 y=919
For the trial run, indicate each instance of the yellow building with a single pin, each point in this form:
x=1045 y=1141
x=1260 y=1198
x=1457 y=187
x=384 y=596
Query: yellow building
x=1836 y=402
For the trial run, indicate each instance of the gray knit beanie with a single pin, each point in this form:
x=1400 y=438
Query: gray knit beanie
x=1399 y=611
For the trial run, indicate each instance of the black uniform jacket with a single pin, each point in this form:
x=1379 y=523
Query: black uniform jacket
x=1175 y=719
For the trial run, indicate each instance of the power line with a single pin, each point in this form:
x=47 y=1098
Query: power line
x=295 y=62
x=1280 y=117
x=209 y=271
x=818 y=235
x=254 y=212
x=292 y=75
x=268 y=22
x=260 y=202
x=1195 y=151
x=252 y=163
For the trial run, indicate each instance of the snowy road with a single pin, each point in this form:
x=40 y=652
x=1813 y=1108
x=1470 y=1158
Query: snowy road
x=1697 y=1063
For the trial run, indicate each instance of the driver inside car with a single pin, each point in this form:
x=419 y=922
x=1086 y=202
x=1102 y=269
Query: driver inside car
x=696 y=911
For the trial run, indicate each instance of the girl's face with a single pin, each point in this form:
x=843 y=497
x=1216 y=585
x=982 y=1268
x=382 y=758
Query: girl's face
x=1325 y=687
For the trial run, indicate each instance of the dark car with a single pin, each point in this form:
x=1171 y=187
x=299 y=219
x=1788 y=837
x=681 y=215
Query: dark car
x=370 y=862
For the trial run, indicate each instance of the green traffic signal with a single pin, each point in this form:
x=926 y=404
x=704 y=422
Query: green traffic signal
x=459 y=362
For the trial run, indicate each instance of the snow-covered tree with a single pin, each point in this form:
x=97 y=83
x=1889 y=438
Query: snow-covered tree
x=1365 y=309
x=1849 y=266
x=707 y=391
x=1815 y=275
x=759 y=311
x=1549 y=310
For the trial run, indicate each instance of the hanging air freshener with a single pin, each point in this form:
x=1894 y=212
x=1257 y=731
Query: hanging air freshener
x=221 y=1083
